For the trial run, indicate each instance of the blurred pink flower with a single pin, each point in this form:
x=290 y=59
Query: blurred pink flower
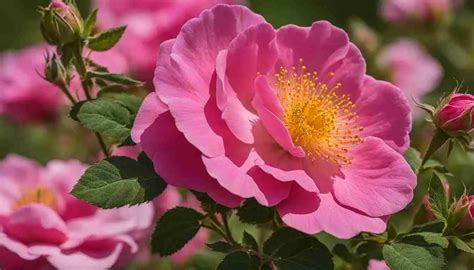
x=411 y=69
x=377 y=265
x=455 y=115
x=239 y=112
x=43 y=227
x=149 y=22
x=25 y=96
x=417 y=10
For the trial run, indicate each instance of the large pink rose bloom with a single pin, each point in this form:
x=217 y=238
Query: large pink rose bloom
x=417 y=10
x=285 y=116
x=412 y=69
x=25 y=96
x=43 y=227
x=149 y=22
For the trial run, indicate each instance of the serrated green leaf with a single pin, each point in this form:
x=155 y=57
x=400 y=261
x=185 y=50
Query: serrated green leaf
x=75 y=110
x=131 y=102
x=308 y=259
x=220 y=246
x=253 y=213
x=401 y=256
x=116 y=182
x=106 y=40
x=425 y=239
x=438 y=198
x=413 y=157
x=89 y=24
x=113 y=77
x=280 y=238
x=174 y=229
x=106 y=117
x=460 y=244
x=239 y=260
x=249 y=241
x=208 y=204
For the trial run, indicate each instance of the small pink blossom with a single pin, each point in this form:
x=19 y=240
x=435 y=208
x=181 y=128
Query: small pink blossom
x=285 y=116
x=412 y=69
x=417 y=10
x=455 y=115
x=149 y=22
x=377 y=265
x=43 y=227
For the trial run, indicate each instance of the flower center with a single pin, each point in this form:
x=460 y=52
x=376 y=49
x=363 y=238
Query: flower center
x=38 y=194
x=318 y=119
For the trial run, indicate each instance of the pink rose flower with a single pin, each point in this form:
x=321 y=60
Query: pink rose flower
x=25 y=95
x=285 y=116
x=149 y=22
x=377 y=265
x=411 y=69
x=417 y=10
x=43 y=227
x=455 y=114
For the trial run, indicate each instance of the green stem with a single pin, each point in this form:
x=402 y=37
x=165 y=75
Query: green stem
x=65 y=89
x=438 y=140
x=227 y=228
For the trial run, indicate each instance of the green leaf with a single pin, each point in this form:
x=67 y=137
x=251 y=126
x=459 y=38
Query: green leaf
x=221 y=246
x=425 y=239
x=208 y=204
x=433 y=226
x=239 y=260
x=250 y=241
x=106 y=40
x=89 y=24
x=116 y=182
x=106 y=117
x=308 y=259
x=253 y=213
x=413 y=157
x=174 y=229
x=131 y=102
x=460 y=244
x=438 y=198
x=75 y=110
x=401 y=256
x=292 y=249
x=113 y=77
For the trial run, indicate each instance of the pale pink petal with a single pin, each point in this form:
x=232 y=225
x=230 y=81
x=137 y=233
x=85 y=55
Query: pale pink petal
x=384 y=113
x=379 y=181
x=377 y=265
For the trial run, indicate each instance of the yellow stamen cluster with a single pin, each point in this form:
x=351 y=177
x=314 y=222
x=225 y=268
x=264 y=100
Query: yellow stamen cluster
x=319 y=120
x=40 y=195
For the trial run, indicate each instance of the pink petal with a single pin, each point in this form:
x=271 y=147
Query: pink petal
x=384 y=113
x=16 y=247
x=274 y=191
x=150 y=109
x=184 y=73
x=379 y=181
x=313 y=213
x=325 y=49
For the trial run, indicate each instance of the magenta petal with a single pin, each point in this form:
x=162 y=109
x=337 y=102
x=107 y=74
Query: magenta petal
x=149 y=110
x=169 y=159
x=273 y=191
x=184 y=73
x=384 y=113
x=379 y=181
x=313 y=213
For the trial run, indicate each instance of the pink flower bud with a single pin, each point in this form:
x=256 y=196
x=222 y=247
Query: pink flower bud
x=467 y=222
x=454 y=114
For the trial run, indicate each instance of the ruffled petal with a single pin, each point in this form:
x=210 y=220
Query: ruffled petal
x=379 y=181
x=150 y=109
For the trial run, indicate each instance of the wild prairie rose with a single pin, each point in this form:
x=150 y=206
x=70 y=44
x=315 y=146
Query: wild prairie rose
x=149 y=22
x=285 y=116
x=410 y=68
x=43 y=227
x=455 y=115
x=417 y=10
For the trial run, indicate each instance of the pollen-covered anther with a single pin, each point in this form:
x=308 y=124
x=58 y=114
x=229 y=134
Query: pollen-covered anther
x=319 y=119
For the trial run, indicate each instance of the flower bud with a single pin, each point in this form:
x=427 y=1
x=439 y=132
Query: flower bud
x=455 y=114
x=55 y=72
x=464 y=208
x=61 y=23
